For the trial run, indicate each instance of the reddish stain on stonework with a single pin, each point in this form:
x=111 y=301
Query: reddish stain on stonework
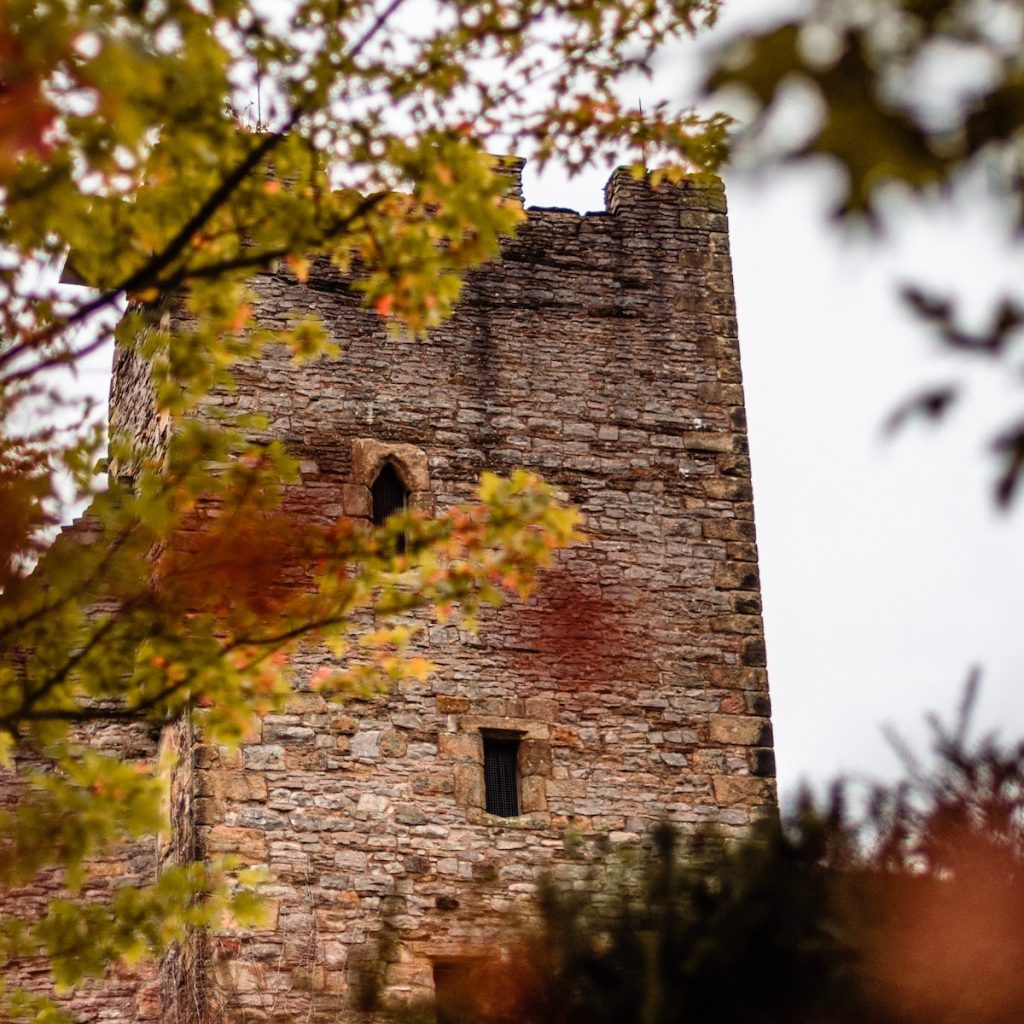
x=571 y=633
x=242 y=561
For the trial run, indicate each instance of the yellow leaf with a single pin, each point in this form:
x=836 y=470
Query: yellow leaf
x=299 y=266
x=419 y=668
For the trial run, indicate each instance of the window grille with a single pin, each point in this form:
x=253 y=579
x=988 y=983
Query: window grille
x=389 y=496
x=501 y=775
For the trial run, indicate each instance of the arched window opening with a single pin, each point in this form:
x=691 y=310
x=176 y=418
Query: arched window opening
x=390 y=496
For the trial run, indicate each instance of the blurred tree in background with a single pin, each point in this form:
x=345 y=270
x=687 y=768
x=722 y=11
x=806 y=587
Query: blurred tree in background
x=911 y=100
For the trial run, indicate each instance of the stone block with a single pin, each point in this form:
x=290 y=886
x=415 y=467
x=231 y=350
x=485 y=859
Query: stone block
x=566 y=736
x=431 y=783
x=409 y=814
x=542 y=708
x=754 y=652
x=305 y=759
x=393 y=743
x=356 y=500
x=263 y=757
x=762 y=762
x=305 y=704
x=466 y=746
x=741 y=551
x=533 y=794
x=535 y=757
x=447 y=705
x=275 y=731
x=743 y=510
x=708 y=441
x=248 y=844
x=759 y=703
x=741 y=730
x=469 y=786
x=370 y=454
x=105 y=869
x=740 y=677
x=236 y=976
x=727 y=529
x=741 y=624
x=351 y=860
x=734 y=704
x=734 y=466
x=745 y=602
x=743 y=790
x=726 y=489
x=373 y=805
x=527 y=727
x=366 y=744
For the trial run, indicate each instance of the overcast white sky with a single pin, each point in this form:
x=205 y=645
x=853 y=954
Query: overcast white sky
x=886 y=572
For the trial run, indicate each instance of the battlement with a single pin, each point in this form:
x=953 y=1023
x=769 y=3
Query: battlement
x=625 y=193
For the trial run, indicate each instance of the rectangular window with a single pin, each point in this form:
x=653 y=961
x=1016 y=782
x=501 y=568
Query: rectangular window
x=501 y=775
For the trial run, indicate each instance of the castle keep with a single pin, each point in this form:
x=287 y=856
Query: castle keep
x=601 y=352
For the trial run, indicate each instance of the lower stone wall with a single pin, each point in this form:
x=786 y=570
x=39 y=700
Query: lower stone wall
x=128 y=994
x=369 y=817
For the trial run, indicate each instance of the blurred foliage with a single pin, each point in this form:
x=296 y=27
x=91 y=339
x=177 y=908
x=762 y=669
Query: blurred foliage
x=174 y=149
x=909 y=910
x=909 y=99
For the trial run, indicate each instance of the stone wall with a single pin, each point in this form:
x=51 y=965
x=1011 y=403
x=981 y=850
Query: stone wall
x=602 y=352
x=129 y=992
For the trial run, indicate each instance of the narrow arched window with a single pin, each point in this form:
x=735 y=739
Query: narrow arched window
x=390 y=496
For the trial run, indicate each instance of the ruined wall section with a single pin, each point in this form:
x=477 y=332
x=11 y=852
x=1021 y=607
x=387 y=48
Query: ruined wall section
x=133 y=408
x=602 y=352
x=129 y=994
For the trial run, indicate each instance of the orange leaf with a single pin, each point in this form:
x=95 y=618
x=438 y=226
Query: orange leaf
x=299 y=266
x=241 y=315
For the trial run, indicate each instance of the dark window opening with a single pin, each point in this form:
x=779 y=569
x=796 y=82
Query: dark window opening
x=457 y=991
x=501 y=775
x=390 y=496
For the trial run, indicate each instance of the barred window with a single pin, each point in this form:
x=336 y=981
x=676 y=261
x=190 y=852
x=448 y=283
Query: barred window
x=501 y=775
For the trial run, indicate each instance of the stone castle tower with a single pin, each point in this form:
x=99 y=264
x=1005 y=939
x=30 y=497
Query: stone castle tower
x=601 y=351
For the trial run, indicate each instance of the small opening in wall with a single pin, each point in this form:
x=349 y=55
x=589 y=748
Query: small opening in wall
x=457 y=990
x=390 y=496
x=501 y=774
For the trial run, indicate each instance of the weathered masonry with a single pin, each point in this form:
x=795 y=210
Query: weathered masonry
x=602 y=352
